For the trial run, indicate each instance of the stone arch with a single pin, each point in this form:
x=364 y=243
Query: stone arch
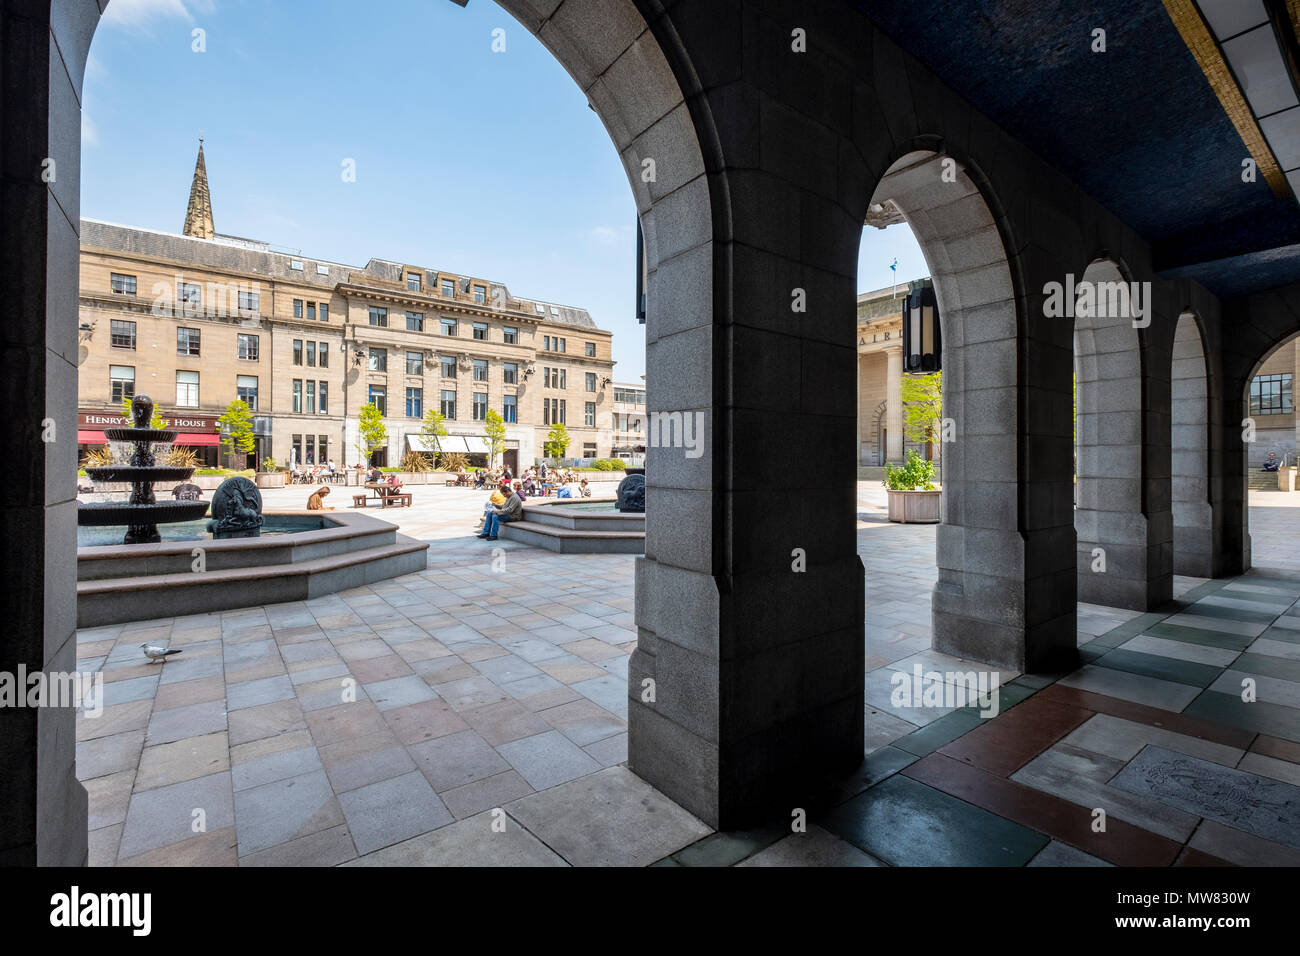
x=1253 y=453
x=1109 y=518
x=1193 y=513
x=878 y=430
x=629 y=69
x=980 y=606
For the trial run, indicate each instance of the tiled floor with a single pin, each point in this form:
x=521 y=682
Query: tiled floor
x=476 y=713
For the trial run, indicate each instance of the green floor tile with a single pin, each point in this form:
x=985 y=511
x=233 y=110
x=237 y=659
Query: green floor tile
x=1233 y=613
x=1201 y=590
x=939 y=732
x=1034 y=681
x=1288 y=634
x=1268 y=666
x=875 y=767
x=1256 y=597
x=1261 y=716
x=1165 y=668
x=1113 y=638
x=728 y=849
x=906 y=823
x=1200 y=635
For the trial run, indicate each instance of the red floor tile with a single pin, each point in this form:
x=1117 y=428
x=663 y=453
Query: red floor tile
x=1004 y=744
x=1151 y=716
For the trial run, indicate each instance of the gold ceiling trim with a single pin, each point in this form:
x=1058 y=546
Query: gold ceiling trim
x=1187 y=20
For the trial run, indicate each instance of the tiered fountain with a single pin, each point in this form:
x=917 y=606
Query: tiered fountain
x=141 y=513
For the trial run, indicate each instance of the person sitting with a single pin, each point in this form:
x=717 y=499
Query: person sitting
x=512 y=510
x=480 y=479
x=520 y=490
x=583 y=490
x=374 y=475
x=495 y=500
x=317 y=501
x=1271 y=463
x=393 y=481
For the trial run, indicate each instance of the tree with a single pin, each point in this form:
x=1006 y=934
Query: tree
x=495 y=433
x=237 y=428
x=373 y=432
x=432 y=430
x=922 y=397
x=156 y=422
x=557 y=441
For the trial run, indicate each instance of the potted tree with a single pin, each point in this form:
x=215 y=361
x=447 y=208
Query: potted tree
x=270 y=475
x=913 y=498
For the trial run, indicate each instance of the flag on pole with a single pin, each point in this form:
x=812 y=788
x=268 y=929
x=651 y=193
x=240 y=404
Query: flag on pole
x=893 y=267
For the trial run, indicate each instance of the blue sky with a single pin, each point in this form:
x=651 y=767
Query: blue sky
x=488 y=164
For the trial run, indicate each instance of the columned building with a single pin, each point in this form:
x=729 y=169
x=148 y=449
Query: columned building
x=198 y=319
x=881 y=432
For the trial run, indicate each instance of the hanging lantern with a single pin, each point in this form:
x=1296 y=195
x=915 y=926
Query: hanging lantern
x=922 y=343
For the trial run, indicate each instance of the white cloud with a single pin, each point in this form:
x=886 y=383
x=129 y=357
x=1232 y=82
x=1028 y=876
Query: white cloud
x=139 y=15
x=89 y=134
x=605 y=235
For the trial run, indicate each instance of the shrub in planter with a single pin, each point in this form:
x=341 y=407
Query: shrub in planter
x=915 y=475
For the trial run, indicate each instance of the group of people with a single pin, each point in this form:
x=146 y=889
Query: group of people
x=313 y=473
x=506 y=502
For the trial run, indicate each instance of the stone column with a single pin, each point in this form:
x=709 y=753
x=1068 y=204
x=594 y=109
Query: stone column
x=894 y=411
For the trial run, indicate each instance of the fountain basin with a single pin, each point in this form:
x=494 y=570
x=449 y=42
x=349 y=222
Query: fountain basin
x=578 y=526
x=153 y=436
x=111 y=513
x=132 y=473
x=138 y=582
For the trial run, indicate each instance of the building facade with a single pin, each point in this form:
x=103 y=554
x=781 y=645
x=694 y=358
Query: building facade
x=199 y=319
x=881 y=438
x=630 y=422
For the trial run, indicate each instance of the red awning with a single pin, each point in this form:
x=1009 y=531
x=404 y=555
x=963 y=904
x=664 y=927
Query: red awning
x=91 y=438
x=187 y=438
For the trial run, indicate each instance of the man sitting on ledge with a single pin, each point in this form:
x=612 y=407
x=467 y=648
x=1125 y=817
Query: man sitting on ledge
x=1271 y=463
x=512 y=510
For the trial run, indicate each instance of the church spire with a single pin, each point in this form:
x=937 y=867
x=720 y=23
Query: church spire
x=198 y=216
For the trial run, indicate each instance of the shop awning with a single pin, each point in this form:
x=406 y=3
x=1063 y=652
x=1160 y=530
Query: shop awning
x=421 y=443
x=476 y=446
x=91 y=438
x=193 y=439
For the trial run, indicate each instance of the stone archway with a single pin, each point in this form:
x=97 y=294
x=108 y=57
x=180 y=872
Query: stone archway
x=878 y=418
x=621 y=63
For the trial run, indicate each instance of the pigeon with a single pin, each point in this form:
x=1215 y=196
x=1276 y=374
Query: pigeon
x=158 y=652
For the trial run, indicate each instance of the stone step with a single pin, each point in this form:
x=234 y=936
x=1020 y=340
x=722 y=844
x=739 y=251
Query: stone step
x=115 y=600
x=567 y=541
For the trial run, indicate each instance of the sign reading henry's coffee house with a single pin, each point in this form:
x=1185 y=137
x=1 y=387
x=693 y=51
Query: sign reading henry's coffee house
x=184 y=423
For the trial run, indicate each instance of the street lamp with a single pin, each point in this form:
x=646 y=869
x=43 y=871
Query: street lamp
x=922 y=341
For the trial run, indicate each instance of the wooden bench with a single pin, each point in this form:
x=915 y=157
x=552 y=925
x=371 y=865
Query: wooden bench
x=400 y=498
x=358 y=501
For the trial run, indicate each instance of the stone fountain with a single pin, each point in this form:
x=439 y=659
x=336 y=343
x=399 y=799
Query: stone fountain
x=141 y=513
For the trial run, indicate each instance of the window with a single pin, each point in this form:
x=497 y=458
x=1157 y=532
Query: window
x=297 y=351
x=123 y=334
x=249 y=302
x=554 y=377
x=561 y=341
x=590 y=378
x=310 y=407
x=311 y=311
x=552 y=343
x=297 y=448
x=248 y=347
x=322 y=447
x=511 y=336
x=448 y=288
x=121 y=382
x=448 y=326
x=480 y=370
x=480 y=294
x=297 y=396
x=379 y=317
x=510 y=373
x=480 y=331
x=322 y=270
x=447 y=366
x=415 y=321
x=510 y=409
x=629 y=396
x=480 y=406
x=378 y=360
x=322 y=390
x=1271 y=395
x=122 y=284
x=246 y=390
x=414 y=363
x=448 y=408
x=190 y=295
x=187 y=389
x=413 y=281
x=311 y=451
x=415 y=403
x=379 y=398
x=187 y=341
x=323 y=354
x=589 y=416
x=324 y=312
x=590 y=349
x=589 y=449
x=546 y=343
x=563 y=418
x=295 y=264
x=311 y=354
x=297 y=308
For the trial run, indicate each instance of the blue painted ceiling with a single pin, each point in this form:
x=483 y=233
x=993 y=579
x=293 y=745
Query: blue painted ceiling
x=1138 y=126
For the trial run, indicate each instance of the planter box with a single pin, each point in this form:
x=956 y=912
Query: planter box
x=1286 y=479
x=270 y=479
x=915 y=507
